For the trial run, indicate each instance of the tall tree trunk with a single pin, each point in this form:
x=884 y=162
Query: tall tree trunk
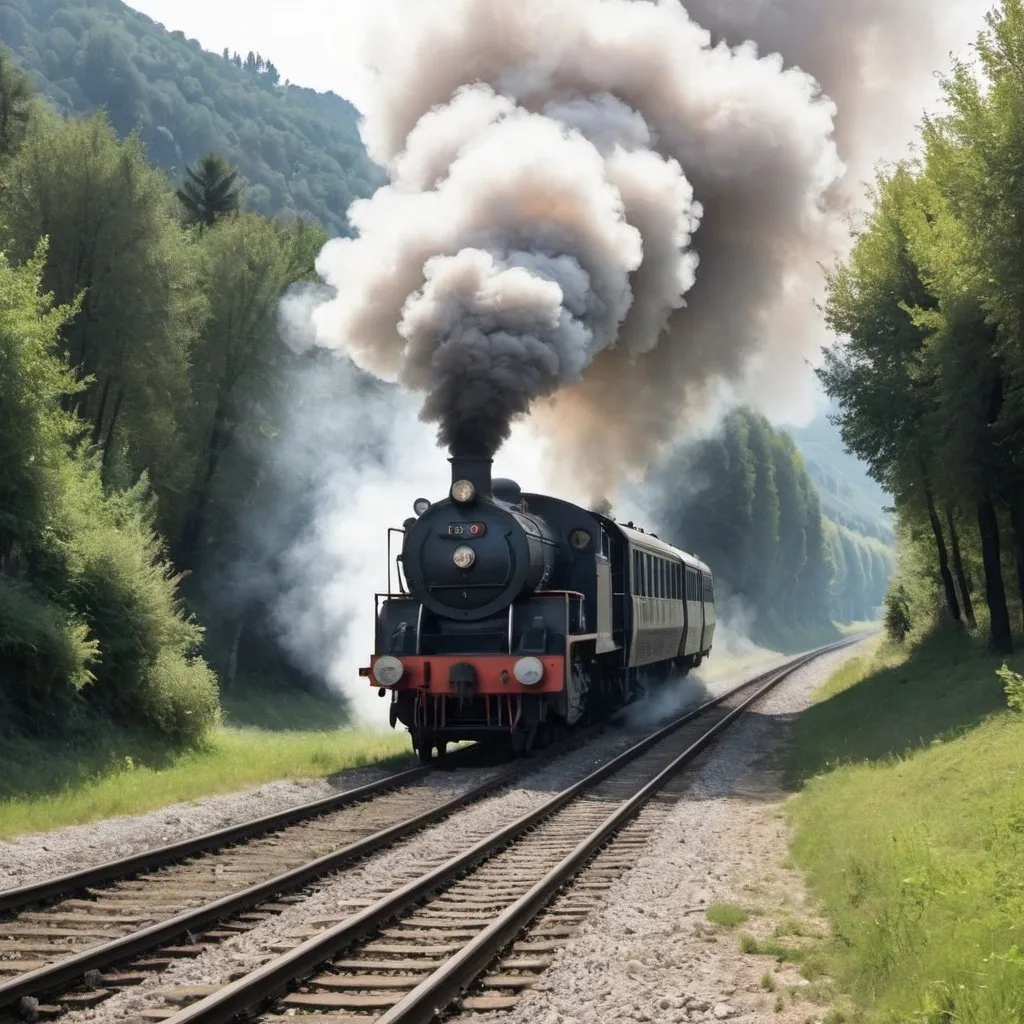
x=97 y=426
x=193 y=528
x=952 y=604
x=108 y=444
x=1001 y=638
x=232 y=667
x=1017 y=522
x=958 y=568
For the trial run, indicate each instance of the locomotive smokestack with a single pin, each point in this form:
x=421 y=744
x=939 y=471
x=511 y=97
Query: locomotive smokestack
x=472 y=463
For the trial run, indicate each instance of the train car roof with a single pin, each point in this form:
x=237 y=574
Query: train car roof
x=654 y=545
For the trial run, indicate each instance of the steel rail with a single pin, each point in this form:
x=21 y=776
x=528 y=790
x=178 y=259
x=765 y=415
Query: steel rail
x=69 y=969
x=265 y=982
x=61 y=886
x=436 y=992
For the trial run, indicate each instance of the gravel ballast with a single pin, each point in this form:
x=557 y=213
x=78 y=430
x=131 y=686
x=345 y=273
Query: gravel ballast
x=650 y=953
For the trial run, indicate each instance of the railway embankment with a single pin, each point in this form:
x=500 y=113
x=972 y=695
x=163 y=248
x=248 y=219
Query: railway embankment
x=909 y=827
x=249 y=765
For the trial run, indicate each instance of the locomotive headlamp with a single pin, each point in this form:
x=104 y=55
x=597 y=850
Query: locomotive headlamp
x=463 y=492
x=464 y=556
x=579 y=539
x=529 y=671
x=388 y=670
x=420 y=505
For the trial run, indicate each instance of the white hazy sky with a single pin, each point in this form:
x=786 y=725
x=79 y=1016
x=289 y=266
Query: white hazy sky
x=315 y=43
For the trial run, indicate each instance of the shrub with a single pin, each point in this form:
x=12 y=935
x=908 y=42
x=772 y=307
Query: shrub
x=46 y=652
x=1013 y=687
x=102 y=608
x=148 y=672
x=897 y=613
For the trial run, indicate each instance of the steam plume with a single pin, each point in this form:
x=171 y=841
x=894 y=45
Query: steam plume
x=556 y=167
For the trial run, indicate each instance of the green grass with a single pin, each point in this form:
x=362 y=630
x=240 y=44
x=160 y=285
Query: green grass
x=910 y=828
x=107 y=772
x=726 y=914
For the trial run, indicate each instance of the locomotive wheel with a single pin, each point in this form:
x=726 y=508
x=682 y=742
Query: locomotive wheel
x=522 y=740
x=545 y=734
x=423 y=744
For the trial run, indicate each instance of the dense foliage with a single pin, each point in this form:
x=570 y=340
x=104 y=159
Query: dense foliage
x=133 y=352
x=745 y=503
x=299 y=152
x=929 y=371
x=87 y=600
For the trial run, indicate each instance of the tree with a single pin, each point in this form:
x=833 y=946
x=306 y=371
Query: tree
x=764 y=538
x=248 y=263
x=210 y=191
x=15 y=105
x=116 y=248
x=88 y=604
x=973 y=156
x=875 y=370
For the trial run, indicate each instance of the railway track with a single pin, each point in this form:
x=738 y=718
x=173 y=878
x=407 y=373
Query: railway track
x=174 y=901
x=476 y=931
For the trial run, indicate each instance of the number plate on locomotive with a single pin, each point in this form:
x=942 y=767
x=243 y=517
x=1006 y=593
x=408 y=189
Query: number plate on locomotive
x=467 y=529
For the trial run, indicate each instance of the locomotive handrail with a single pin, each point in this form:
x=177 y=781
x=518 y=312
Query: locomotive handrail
x=402 y=590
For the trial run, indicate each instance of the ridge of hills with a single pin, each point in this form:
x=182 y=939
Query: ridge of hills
x=299 y=151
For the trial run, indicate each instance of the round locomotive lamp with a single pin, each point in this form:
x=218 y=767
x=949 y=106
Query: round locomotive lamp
x=579 y=539
x=464 y=557
x=420 y=505
x=529 y=671
x=463 y=492
x=388 y=670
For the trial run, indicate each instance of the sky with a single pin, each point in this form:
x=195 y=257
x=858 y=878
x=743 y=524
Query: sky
x=327 y=59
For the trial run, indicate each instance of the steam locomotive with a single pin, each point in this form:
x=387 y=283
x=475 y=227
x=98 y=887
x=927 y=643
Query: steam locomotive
x=518 y=616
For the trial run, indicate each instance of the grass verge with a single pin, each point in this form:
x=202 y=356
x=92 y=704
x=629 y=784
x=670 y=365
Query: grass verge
x=106 y=772
x=910 y=828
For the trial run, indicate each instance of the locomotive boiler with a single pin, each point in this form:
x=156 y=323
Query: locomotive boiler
x=519 y=616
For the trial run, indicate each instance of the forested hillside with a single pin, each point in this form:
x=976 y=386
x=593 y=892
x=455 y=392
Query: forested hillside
x=299 y=152
x=849 y=497
x=140 y=353
x=928 y=373
x=746 y=504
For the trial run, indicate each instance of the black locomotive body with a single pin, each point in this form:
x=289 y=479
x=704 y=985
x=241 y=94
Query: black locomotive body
x=520 y=615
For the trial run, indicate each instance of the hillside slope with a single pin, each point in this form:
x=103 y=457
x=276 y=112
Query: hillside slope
x=299 y=151
x=849 y=497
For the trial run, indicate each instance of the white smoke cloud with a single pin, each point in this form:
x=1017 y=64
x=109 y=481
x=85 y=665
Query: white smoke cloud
x=608 y=212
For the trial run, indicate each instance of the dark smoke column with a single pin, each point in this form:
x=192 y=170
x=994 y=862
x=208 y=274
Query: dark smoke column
x=589 y=203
